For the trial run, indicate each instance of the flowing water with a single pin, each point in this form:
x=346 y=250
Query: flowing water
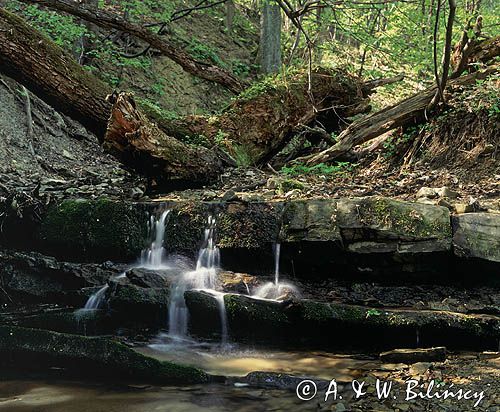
x=153 y=257
x=276 y=290
x=203 y=277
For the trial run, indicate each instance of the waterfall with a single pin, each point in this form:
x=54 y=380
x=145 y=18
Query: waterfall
x=277 y=250
x=152 y=258
x=276 y=290
x=203 y=277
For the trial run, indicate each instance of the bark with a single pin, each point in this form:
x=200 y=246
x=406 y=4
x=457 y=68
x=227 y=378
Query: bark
x=109 y=20
x=409 y=111
x=270 y=37
x=255 y=127
x=53 y=75
x=35 y=61
x=470 y=51
x=143 y=145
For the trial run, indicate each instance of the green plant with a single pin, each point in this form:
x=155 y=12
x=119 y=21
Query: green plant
x=319 y=169
x=201 y=51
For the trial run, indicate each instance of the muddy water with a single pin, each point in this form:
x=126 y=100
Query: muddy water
x=69 y=396
x=238 y=361
x=39 y=396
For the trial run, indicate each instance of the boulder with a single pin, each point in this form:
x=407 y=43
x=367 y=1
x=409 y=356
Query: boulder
x=24 y=349
x=477 y=235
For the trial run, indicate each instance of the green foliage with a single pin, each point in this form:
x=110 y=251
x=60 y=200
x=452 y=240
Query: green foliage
x=319 y=169
x=204 y=52
x=394 y=142
x=155 y=111
x=241 y=156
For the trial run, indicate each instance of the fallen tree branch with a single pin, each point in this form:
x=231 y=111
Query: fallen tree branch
x=409 y=111
x=109 y=20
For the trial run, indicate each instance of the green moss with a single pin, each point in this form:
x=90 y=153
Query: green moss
x=408 y=220
x=95 y=228
x=243 y=308
x=98 y=356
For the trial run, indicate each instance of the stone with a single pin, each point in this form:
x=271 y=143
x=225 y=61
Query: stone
x=419 y=369
x=446 y=192
x=228 y=196
x=24 y=349
x=463 y=208
x=136 y=193
x=427 y=192
x=94 y=229
x=307 y=322
x=477 y=235
x=409 y=356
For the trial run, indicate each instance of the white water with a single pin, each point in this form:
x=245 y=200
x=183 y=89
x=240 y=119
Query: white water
x=153 y=257
x=203 y=277
x=277 y=290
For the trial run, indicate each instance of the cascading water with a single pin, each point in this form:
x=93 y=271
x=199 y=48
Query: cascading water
x=153 y=257
x=203 y=277
x=277 y=290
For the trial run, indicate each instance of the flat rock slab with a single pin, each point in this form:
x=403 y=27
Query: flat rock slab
x=39 y=350
x=334 y=325
x=410 y=356
x=477 y=235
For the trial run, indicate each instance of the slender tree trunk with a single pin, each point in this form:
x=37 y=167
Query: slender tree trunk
x=270 y=37
x=230 y=10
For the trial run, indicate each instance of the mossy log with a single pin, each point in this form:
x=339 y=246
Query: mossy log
x=23 y=349
x=37 y=62
x=139 y=143
x=262 y=119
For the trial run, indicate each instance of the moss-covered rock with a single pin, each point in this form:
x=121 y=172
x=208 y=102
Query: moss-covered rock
x=376 y=225
x=333 y=325
x=94 y=229
x=24 y=349
x=477 y=235
x=310 y=220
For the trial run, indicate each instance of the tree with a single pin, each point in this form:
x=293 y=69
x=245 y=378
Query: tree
x=270 y=37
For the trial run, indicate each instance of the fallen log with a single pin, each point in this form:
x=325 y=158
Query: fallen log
x=109 y=20
x=143 y=145
x=409 y=111
x=38 y=63
x=261 y=121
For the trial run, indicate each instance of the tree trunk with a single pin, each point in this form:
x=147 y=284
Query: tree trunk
x=52 y=74
x=270 y=37
x=230 y=9
x=35 y=61
x=409 y=111
x=109 y=20
x=143 y=145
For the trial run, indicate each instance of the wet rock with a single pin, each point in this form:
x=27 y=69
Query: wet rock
x=241 y=283
x=23 y=349
x=228 y=196
x=132 y=303
x=148 y=278
x=278 y=380
x=32 y=277
x=308 y=322
x=409 y=356
x=477 y=235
